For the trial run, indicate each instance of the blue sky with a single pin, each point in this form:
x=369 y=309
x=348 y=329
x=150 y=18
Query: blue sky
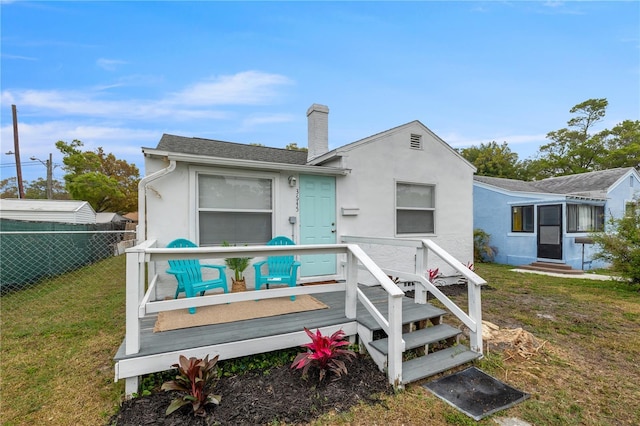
x=120 y=74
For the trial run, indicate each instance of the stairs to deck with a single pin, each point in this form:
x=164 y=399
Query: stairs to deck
x=558 y=268
x=431 y=347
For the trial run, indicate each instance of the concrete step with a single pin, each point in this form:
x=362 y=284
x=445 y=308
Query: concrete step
x=561 y=266
x=552 y=267
x=418 y=338
x=436 y=362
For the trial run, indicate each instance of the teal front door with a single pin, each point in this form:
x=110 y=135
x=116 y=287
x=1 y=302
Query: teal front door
x=317 y=222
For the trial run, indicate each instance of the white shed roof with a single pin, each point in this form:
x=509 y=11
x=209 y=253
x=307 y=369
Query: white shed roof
x=68 y=211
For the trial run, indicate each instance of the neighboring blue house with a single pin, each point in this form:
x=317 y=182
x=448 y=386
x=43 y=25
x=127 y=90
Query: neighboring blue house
x=546 y=220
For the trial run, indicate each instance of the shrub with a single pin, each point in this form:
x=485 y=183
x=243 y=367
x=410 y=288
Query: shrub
x=482 y=250
x=620 y=245
x=324 y=353
x=196 y=379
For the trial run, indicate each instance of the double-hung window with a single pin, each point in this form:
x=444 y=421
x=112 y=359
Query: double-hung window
x=522 y=219
x=415 y=208
x=235 y=209
x=584 y=218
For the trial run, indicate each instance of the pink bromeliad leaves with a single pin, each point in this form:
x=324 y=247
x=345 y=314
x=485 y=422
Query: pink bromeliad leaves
x=433 y=274
x=325 y=353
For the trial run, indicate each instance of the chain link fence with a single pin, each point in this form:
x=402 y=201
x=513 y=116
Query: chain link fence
x=38 y=258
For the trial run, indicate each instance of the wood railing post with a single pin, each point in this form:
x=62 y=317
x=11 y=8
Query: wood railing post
x=135 y=279
x=420 y=293
x=475 y=313
x=394 y=360
x=351 y=293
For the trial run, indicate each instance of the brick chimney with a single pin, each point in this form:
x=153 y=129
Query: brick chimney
x=318 y=127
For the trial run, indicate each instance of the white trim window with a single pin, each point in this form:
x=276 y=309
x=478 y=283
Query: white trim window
x=415 y=208
x=235 y=209
x=584 y=218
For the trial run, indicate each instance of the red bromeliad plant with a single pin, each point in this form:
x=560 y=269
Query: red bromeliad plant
x=433 y=274
x=324 y=352
x=196 y=379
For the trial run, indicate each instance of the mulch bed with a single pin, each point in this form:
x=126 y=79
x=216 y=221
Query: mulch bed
x=257 y=398
x=281 y=395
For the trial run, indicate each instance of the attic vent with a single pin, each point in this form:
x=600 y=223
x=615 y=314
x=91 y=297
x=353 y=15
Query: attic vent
x=416 y=141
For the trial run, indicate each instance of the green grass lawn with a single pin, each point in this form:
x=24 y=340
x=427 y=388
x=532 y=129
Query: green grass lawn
x=58 y=346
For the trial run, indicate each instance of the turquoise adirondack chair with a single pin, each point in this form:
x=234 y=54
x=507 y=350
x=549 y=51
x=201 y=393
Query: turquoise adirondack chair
x=280 y=269
x=188 y=273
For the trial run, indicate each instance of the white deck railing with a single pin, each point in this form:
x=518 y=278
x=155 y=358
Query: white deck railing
x=473 y=318
x=142 y=293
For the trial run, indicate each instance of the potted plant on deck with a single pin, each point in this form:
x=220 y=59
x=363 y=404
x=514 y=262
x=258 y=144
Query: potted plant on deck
x=237 y=265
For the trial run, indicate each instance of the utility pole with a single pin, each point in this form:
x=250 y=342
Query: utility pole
x=16 y=152
x=49 y=165
x=50 y=178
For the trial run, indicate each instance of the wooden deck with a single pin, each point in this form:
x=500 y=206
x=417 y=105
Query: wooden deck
x=227 y=333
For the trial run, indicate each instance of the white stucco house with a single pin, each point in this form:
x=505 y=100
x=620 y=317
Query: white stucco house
x=405 y=182
x=390 y=205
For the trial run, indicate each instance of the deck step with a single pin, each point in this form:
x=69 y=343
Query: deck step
x=436 y=362
x=410 y=313
x=420 y=337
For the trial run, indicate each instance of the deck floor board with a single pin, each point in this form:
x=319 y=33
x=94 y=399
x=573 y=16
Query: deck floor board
x=176 y=340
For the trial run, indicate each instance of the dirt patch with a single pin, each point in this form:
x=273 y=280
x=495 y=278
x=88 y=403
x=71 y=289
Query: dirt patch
x=257 y=398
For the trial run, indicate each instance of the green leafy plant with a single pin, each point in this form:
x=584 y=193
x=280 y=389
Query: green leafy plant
x=324 y=352
x=196 y=379
x=482 y=250
x=620 y=245
x=236 y=264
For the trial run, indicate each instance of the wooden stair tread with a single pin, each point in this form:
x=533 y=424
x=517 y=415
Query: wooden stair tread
x=420 y=337
x=436 y=362
x=410 y=313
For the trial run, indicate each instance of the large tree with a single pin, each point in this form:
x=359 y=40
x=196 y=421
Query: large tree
x=9 y=188
x=494 y=160
x=37 y=189
x=577 y=149
x=107 y=183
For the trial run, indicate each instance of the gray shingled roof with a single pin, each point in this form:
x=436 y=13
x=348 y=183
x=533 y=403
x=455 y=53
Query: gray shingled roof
x=587 y=184
x=508 y=184
x=221 y=149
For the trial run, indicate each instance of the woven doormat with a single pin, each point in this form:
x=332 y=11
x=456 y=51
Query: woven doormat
x=475 y=393
x=236 y=311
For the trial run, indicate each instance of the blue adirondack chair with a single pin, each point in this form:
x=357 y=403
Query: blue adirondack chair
x=188 y=273
x=280 y=269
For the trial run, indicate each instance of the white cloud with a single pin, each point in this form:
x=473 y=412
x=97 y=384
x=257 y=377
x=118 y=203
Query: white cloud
x=19 y=57
x=109 y=64
x=194 y=102
x=39 y=139
x=245 y=88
